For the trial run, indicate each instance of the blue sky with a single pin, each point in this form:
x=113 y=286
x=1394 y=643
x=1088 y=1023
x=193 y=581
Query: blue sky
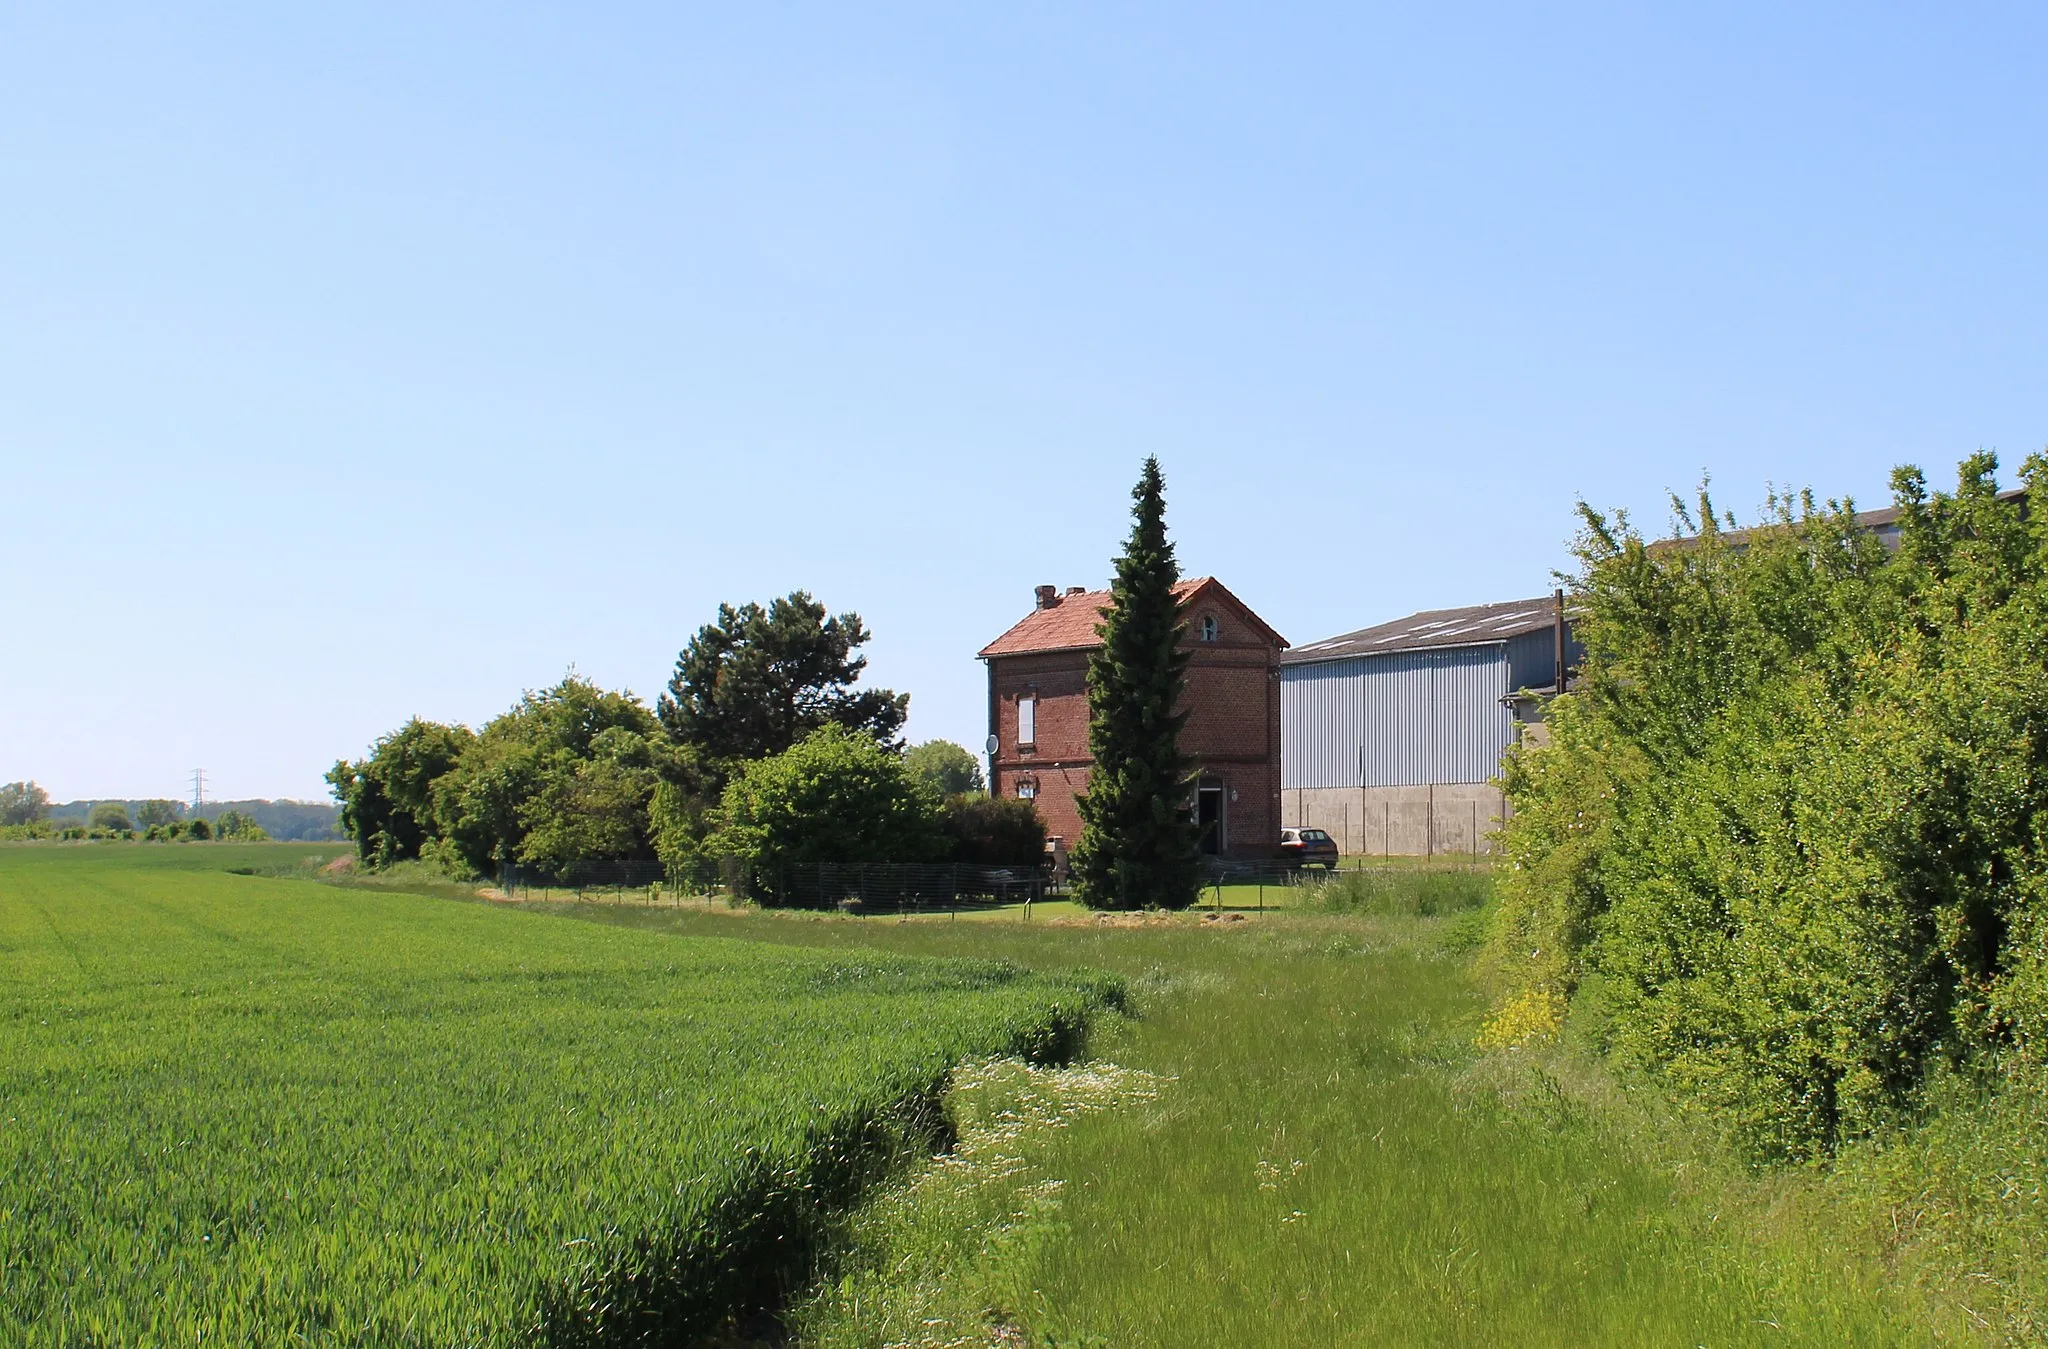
x=381 y=360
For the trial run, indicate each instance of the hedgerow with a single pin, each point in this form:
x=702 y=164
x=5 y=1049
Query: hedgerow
x=1791 y=815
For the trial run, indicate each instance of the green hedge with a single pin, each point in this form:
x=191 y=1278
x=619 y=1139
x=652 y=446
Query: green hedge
x=1791 y=812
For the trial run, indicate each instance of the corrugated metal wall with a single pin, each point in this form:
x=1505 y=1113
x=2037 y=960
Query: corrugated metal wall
x=1400 y=720
x=1532 y=658
x=1322 y=723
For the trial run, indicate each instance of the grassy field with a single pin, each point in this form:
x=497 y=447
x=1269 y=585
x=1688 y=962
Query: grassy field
x=241 y=1109
x=1296 y=1143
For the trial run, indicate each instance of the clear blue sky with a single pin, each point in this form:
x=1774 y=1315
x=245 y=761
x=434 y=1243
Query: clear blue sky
x=364 y=361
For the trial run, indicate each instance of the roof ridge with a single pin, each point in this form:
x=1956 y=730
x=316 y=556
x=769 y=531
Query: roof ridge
x=1066 y=624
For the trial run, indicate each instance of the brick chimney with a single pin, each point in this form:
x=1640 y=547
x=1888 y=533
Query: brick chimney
x=1048 y=596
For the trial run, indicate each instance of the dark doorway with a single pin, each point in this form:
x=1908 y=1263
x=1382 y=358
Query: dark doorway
x=1209 y=817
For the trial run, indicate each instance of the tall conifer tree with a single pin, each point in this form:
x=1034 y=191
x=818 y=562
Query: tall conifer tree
x=1138 y=841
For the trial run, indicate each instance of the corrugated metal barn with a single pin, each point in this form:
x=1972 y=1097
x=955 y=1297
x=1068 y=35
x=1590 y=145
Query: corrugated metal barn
x=1390 y=736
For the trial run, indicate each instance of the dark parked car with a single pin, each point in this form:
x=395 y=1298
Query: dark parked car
x=1308 y=848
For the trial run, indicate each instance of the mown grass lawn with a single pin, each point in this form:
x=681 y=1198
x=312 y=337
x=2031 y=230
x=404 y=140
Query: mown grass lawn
x=1320 y=1155
x=240 y=1109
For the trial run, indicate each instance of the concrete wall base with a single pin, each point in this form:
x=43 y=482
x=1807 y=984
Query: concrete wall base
x=1447 y=818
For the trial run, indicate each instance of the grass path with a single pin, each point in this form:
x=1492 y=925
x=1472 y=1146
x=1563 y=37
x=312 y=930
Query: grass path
x=1329 y=1161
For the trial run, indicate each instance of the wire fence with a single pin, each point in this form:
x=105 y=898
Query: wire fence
x=909 y=888
x=854 y=887
x=1424 y=886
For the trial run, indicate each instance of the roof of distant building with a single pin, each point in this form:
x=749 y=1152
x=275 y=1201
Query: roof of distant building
x=1066 y=622
x=1883 y=522
x=1474 y=625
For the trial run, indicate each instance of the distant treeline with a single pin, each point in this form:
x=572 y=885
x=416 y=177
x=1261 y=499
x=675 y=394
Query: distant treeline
x=289 y=821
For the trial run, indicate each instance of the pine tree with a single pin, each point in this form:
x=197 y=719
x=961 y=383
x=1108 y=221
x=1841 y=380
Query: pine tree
x=1138 y=842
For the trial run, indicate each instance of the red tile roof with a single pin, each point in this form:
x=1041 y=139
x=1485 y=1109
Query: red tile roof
x=1069 y=624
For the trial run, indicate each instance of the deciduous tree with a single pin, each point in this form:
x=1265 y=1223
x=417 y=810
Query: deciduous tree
x=110 y=815
x=387 y=800
x=23 y=803
x=567 y=775
x=944 y=767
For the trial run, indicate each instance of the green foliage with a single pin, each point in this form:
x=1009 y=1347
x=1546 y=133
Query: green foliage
x=567 y=775
x=198 y=830
x=836 y=796
x=1138 y=844
x=110 y=815
x=23 y=803
x=1793 y=810
x=681 y=819
x=158 y=811
x=234 y=825
x=758 y=681
x=945 y=768
x=994 y=831
x=575 y=774
x=387 y=802
x=250 y=1110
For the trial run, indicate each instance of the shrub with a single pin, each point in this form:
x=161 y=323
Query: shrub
x=994 y=831
x=233 y=824
x=1795 y=808
x=836 y=796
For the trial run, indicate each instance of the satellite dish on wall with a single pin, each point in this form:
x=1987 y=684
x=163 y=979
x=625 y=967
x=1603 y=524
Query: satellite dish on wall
x=993 y=745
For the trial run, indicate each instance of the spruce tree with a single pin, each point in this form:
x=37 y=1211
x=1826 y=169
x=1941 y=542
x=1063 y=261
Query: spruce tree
x=1138 y=842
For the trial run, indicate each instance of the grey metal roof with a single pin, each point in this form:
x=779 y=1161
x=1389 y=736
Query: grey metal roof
x=1883 y=522
x=1474 y=625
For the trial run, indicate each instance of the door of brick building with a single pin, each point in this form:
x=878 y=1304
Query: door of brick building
x=1209 y=816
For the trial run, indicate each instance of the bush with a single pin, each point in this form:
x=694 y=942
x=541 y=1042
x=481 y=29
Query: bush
x=834 y=797
x=198 y=830
x=233 y=824
x=994 y=831
x=1795 y=809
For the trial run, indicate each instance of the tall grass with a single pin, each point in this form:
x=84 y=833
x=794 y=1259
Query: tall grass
x=241 y=1109
x=1328 y=1159
x=1416 y=892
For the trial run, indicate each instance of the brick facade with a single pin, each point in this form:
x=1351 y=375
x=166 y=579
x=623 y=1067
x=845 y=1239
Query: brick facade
x=1232 y=699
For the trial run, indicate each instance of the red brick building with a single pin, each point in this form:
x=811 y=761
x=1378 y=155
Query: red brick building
x=1038 y=713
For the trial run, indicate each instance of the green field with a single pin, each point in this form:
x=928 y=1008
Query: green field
x=245 y=1109
x=253 y=1109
